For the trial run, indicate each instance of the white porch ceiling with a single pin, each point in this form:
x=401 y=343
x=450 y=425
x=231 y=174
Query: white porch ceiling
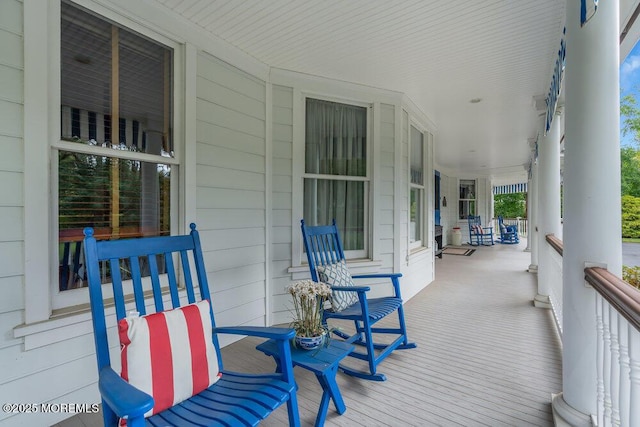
x=441 y=54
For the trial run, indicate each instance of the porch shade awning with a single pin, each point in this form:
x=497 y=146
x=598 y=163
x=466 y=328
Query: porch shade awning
x=510 y=189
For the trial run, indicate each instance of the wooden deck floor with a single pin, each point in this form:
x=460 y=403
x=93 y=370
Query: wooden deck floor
x=485 y=356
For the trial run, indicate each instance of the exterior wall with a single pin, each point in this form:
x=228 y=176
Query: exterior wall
x=417 y=265
x=241 y=135
x=229 y=198
x=449 y=214
x=283 y=225
x=11 y=171
x=230 y=189
x=64 y=370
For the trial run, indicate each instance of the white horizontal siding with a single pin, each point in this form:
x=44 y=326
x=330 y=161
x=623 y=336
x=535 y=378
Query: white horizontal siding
x=282 y=183
x=9 y=90
x=417 y=266
x=229 y=178
x=11 y=199
x=11 y=117
x=230 y=192
x=223 y=137
x=12 y=294
x=11 y=47
x=215 y=219
x=230 y=158
x=230 y=278
x=238 y=296
x=12 y=159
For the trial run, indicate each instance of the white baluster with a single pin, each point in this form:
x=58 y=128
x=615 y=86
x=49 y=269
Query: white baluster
x=624 y=396
x=606 y=364
x=634 y=376
x=615 y=368
x=600 y=358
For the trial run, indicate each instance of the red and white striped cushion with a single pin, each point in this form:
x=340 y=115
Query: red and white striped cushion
x=169 y=355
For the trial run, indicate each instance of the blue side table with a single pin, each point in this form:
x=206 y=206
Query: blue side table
x=323 y=362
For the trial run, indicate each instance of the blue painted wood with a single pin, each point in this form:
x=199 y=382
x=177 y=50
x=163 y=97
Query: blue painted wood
x=324 y=363
x=323 y=246
x=508 y=233
x=479 y=235
x=237 y=398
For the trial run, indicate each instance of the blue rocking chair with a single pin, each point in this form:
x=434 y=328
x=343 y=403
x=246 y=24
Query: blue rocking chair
x=479 y=235
x=230 y=399
x=327 y=264
x=508 y=233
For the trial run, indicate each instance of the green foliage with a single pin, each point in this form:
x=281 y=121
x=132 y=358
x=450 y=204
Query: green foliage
x=630 y=114
x=631 y=275
x=630 y=216
x=630 y=171
x=510 y=205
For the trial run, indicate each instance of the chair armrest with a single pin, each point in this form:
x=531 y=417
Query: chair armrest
x=376 y=275
x=257 y=331
x=351 y=288
x=123 y=398
x=395 y=280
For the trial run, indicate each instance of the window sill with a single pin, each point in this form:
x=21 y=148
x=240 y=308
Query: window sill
x=356 y=263
x=418 y=251
x=70 y=322
x=66 y=324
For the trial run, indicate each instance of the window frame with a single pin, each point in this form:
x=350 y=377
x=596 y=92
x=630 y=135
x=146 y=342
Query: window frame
x=420 y=188
x=367 y=179
x=42 y=100
x=468 y=201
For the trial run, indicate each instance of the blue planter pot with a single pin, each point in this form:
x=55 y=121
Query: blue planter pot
x=309 y=343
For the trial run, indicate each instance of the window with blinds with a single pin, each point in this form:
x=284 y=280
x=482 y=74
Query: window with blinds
x=115 y=154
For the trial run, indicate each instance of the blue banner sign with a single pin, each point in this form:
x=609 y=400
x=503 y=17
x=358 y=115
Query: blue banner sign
x=588 y=8
x=556 y=83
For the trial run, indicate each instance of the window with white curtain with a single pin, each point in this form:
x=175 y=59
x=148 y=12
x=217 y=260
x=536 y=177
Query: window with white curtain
x=336 y=179
x=467 y=199
x=417 y=189
x=115 y=157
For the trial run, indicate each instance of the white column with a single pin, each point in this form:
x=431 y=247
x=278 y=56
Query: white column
x=532 y=233
x=529 y=201
x=591 y=191
x=549 y=212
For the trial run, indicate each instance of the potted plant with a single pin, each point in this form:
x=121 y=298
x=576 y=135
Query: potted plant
x=308 y=303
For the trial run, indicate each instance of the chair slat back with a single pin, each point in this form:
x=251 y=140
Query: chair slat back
x=138 y=258
x=474 y=220
x=322 y=244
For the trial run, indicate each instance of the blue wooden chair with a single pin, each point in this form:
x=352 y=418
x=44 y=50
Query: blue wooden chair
x=479 y=235
x=327 y=264
x=236 y=399
x=508 y=233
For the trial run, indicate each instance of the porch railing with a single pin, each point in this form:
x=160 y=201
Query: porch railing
x=521 y=223
x=618 y=353
x=554 y=250
x=617 y=311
